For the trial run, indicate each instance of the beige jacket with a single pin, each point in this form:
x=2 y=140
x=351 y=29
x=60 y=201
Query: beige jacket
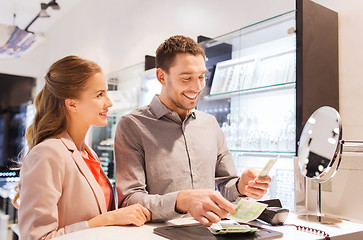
x=58 y=193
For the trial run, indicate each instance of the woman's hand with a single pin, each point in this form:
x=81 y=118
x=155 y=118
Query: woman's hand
x=135 y=214
x=131 y=215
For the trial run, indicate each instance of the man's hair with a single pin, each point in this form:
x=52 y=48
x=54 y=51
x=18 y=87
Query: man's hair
x=167 y=51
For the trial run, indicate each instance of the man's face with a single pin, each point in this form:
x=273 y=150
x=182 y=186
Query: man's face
x=183 y=83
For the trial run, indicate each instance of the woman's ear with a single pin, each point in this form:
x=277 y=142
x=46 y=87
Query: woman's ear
x=160 y=75
x=71 y=105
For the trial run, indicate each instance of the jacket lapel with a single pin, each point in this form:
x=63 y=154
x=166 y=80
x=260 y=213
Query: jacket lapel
x=82 y=166
x=94 y=155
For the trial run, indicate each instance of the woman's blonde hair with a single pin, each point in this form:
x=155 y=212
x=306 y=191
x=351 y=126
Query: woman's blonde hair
x=66 y=78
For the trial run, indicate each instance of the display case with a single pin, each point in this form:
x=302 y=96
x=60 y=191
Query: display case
x=264 y=82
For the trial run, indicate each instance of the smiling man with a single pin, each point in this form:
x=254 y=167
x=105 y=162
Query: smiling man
x=170 y=157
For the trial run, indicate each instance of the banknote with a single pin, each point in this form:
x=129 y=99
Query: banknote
x=268 y=166
x=248 y=210
x=230 y=226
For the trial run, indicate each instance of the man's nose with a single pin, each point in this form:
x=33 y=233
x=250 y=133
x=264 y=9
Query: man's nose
x=198 y=85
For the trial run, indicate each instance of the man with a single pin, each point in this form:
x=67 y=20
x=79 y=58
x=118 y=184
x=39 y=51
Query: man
x=170 y=157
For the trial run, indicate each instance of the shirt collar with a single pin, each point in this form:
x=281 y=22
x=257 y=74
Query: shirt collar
x=160 y=109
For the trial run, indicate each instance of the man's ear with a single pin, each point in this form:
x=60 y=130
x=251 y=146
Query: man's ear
x=160 y=75
x=71 y=105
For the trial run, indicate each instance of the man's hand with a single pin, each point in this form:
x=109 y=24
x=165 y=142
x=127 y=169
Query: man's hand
x=206 y=206
x=253 y=186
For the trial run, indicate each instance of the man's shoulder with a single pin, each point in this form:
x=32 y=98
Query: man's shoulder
x=140 y=112
x=137 y=116
x=205 y=116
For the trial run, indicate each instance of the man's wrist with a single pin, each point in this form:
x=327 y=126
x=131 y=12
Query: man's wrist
x=237 y=182
x=179 y=203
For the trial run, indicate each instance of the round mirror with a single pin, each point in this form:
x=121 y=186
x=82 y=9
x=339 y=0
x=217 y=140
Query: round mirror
x=320 y=145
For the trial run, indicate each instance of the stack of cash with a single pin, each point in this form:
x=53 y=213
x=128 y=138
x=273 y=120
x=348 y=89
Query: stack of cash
x=230 y=226
x=248 y=210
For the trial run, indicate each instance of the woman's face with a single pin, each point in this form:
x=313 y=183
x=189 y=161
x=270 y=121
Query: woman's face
x=93 y=102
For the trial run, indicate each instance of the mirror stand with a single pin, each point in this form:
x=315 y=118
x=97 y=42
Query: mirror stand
x=352 y=146
x=346 y=147
x=318 y=217
x=320 y=152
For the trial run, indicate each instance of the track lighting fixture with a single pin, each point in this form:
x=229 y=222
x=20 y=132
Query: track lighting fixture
x=15 y=41
x=43 y=14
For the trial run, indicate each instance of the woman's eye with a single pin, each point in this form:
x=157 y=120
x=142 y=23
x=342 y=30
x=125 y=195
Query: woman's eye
x=100 y=95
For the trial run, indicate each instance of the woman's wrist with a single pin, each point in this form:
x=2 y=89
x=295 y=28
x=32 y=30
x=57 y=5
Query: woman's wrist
x=105 y=219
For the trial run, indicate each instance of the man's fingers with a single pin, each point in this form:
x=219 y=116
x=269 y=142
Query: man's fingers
x=263 y=186
x=216 y=209
x=223 y=203
x=254 y=192
x=212 y=217
x=204 y=221
x=266 y=179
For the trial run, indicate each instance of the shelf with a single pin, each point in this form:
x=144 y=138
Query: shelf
x=264 y=153
x=107 y=148
x=264 y=89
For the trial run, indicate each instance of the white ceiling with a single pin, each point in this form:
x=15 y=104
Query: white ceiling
x=26 y=10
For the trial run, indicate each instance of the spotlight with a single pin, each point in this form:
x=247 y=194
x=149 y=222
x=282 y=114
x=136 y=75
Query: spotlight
x=43 y=13
x=53 y=5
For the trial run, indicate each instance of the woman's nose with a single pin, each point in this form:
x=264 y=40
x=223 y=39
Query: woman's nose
x=109 y=102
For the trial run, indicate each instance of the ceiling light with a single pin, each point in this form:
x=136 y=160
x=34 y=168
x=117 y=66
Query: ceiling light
x=15 y=41
x=53 y=5
x=43 y=13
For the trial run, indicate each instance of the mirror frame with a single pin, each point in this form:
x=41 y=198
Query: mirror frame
x=334 y=163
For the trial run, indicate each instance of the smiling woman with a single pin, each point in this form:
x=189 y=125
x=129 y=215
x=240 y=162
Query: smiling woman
x=62 y=187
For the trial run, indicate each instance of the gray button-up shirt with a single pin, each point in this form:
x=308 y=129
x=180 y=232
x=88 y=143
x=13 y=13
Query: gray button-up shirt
x=157 y=155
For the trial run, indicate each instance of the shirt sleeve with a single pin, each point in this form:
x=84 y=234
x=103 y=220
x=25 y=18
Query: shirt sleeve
x=130 y=174
x=225 y=175
x=42 y=175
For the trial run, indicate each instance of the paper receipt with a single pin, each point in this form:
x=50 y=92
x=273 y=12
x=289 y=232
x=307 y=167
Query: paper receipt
x=268 y=166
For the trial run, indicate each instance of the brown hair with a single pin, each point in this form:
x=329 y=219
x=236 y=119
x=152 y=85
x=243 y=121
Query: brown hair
x=66 y=78
x=167 y=51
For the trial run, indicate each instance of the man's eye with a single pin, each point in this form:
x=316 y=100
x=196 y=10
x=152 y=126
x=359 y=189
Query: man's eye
x=100 y=95
x=186 y=78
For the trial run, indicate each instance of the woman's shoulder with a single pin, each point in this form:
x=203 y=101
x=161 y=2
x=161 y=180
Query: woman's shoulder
x=52 y=147
x=51 y=144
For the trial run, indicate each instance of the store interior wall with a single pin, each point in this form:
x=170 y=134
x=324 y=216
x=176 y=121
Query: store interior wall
x=118 y=34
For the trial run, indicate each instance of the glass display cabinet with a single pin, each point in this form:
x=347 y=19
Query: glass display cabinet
x=264 y=82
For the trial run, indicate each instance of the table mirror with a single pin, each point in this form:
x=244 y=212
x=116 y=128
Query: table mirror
x=320 y=150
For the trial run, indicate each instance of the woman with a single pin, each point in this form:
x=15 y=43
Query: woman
x=62 y=187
